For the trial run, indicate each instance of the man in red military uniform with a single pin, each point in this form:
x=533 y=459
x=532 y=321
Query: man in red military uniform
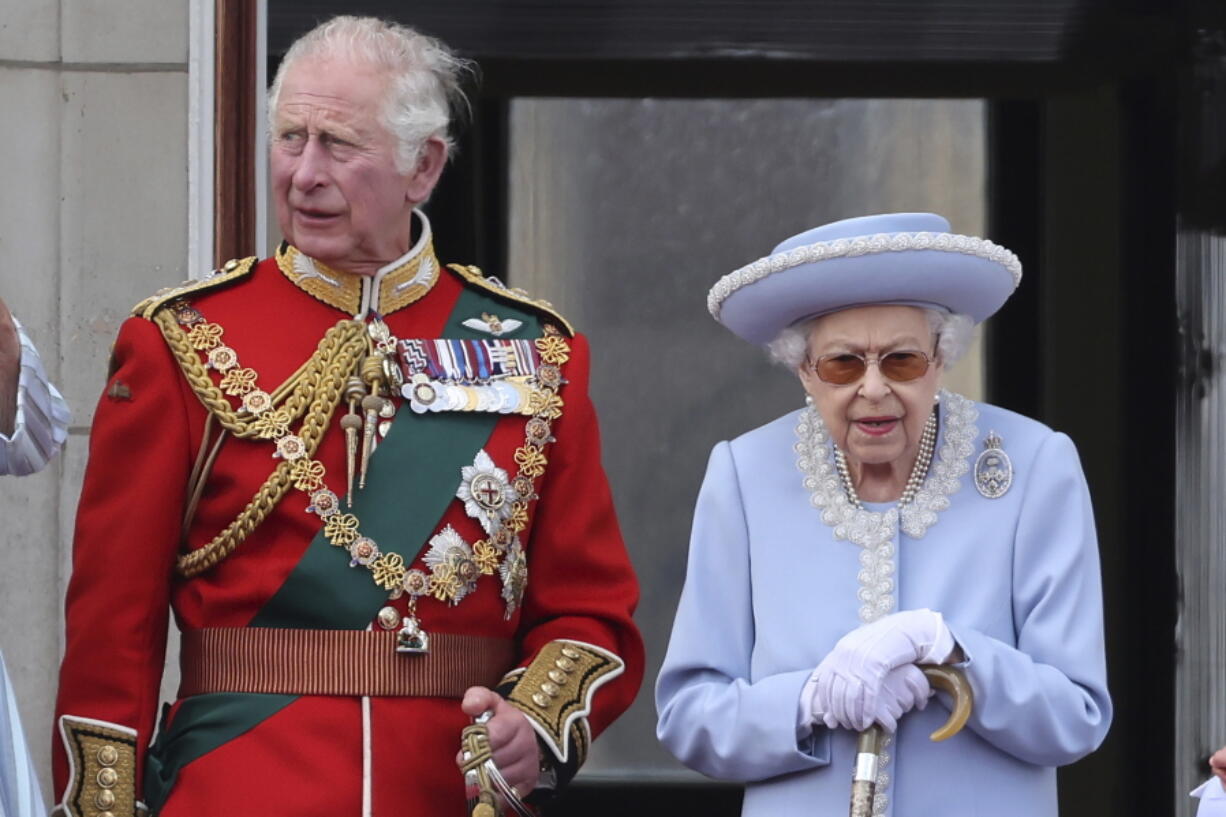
x=367 y=485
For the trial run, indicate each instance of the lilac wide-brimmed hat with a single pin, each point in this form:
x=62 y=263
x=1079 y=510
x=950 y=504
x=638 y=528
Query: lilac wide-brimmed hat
x=894 y=258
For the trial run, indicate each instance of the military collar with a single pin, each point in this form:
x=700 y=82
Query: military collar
x=393 y=287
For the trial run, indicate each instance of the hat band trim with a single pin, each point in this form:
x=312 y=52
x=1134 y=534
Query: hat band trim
x=864 y=245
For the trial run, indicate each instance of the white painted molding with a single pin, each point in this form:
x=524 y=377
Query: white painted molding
x=200 y=96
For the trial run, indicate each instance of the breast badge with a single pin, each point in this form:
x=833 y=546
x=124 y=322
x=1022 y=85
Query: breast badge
x=492 y=324
x=993 y=468
x=486 y=492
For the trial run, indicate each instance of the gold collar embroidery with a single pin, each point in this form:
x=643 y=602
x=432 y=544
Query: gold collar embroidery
x=394 y=287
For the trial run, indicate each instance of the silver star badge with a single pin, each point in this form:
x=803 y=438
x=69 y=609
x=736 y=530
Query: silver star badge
x=486 y=492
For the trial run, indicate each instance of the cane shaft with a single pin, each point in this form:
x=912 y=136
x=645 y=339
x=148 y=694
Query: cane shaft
x=871 y=740
x=862 y=793
x=864 y=781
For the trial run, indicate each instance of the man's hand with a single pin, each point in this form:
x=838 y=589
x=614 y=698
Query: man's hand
x=10 y=370
x=512 y=740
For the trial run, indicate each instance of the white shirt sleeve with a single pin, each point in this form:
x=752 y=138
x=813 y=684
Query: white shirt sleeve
x=20 y=795
x=40 y=426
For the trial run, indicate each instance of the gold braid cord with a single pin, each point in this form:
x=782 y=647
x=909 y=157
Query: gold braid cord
x=313 y=392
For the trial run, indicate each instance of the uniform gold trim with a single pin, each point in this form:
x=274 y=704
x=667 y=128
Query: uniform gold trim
x=474 y=276
x=555 y=692
x=312 y=393
x=102 y=768
x=233 y=270
x=343 y=290
x=397 y=288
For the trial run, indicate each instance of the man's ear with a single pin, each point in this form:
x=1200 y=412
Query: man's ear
x=431 y=160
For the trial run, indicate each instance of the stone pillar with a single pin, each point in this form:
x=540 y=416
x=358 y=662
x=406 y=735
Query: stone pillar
x=93 y=217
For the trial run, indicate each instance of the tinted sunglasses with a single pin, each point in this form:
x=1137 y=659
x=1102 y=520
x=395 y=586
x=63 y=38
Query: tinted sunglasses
x=845 y=368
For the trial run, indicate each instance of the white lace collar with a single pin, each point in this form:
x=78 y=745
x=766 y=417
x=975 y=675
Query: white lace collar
x=873 y=531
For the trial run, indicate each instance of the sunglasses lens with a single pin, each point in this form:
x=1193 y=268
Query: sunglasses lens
x=903 y=366
x=840 y=369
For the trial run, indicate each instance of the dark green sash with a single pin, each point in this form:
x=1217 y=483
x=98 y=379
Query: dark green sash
x=412 y=478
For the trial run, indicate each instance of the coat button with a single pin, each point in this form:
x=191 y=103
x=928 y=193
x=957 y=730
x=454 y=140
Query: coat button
x=389 y=618
x=107 y=778
x=108 y=755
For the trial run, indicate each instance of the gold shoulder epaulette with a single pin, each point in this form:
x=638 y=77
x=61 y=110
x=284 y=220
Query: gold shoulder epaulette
x=233 y=270
x=473 y=275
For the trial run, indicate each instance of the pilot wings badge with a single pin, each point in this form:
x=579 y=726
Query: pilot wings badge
x=492 y=324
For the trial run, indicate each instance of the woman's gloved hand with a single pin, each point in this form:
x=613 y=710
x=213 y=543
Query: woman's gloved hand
x=848 y=683
x=903 y=689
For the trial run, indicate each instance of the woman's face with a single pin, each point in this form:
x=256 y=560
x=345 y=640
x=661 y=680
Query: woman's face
x=873 y=419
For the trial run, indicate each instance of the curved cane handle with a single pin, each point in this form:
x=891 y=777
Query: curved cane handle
x=953 y=681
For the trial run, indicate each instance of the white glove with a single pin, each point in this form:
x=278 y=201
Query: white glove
x=850 y=677
x=903 y=689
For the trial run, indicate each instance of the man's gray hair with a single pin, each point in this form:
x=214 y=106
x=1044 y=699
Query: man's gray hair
x=953 y=330
x=424 y=77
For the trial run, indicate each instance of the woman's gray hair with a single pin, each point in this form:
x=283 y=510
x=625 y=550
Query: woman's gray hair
x=954 y=332
x=424 y=92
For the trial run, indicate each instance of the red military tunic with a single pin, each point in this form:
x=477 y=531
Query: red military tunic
x=307 y=754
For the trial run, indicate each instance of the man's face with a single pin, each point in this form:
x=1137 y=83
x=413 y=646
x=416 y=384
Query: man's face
x=340 y=198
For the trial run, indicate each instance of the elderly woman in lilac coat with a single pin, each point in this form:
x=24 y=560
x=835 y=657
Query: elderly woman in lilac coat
x=886 y=525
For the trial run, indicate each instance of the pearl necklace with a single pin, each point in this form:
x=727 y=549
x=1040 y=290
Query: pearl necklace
x=923 y=460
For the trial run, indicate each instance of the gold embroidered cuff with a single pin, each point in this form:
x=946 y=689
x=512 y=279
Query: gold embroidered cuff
x=101 y=768
x=555 y=692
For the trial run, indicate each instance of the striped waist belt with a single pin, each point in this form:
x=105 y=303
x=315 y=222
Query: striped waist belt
x=337 y=662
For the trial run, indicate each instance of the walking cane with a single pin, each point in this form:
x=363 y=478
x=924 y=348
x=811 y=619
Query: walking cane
x=868 y=747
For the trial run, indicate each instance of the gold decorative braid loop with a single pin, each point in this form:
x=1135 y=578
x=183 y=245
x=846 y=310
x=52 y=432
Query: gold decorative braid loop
x=292 y=396
x=315 y=389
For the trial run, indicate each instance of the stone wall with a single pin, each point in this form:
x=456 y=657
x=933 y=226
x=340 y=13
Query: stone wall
x=93 y=217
